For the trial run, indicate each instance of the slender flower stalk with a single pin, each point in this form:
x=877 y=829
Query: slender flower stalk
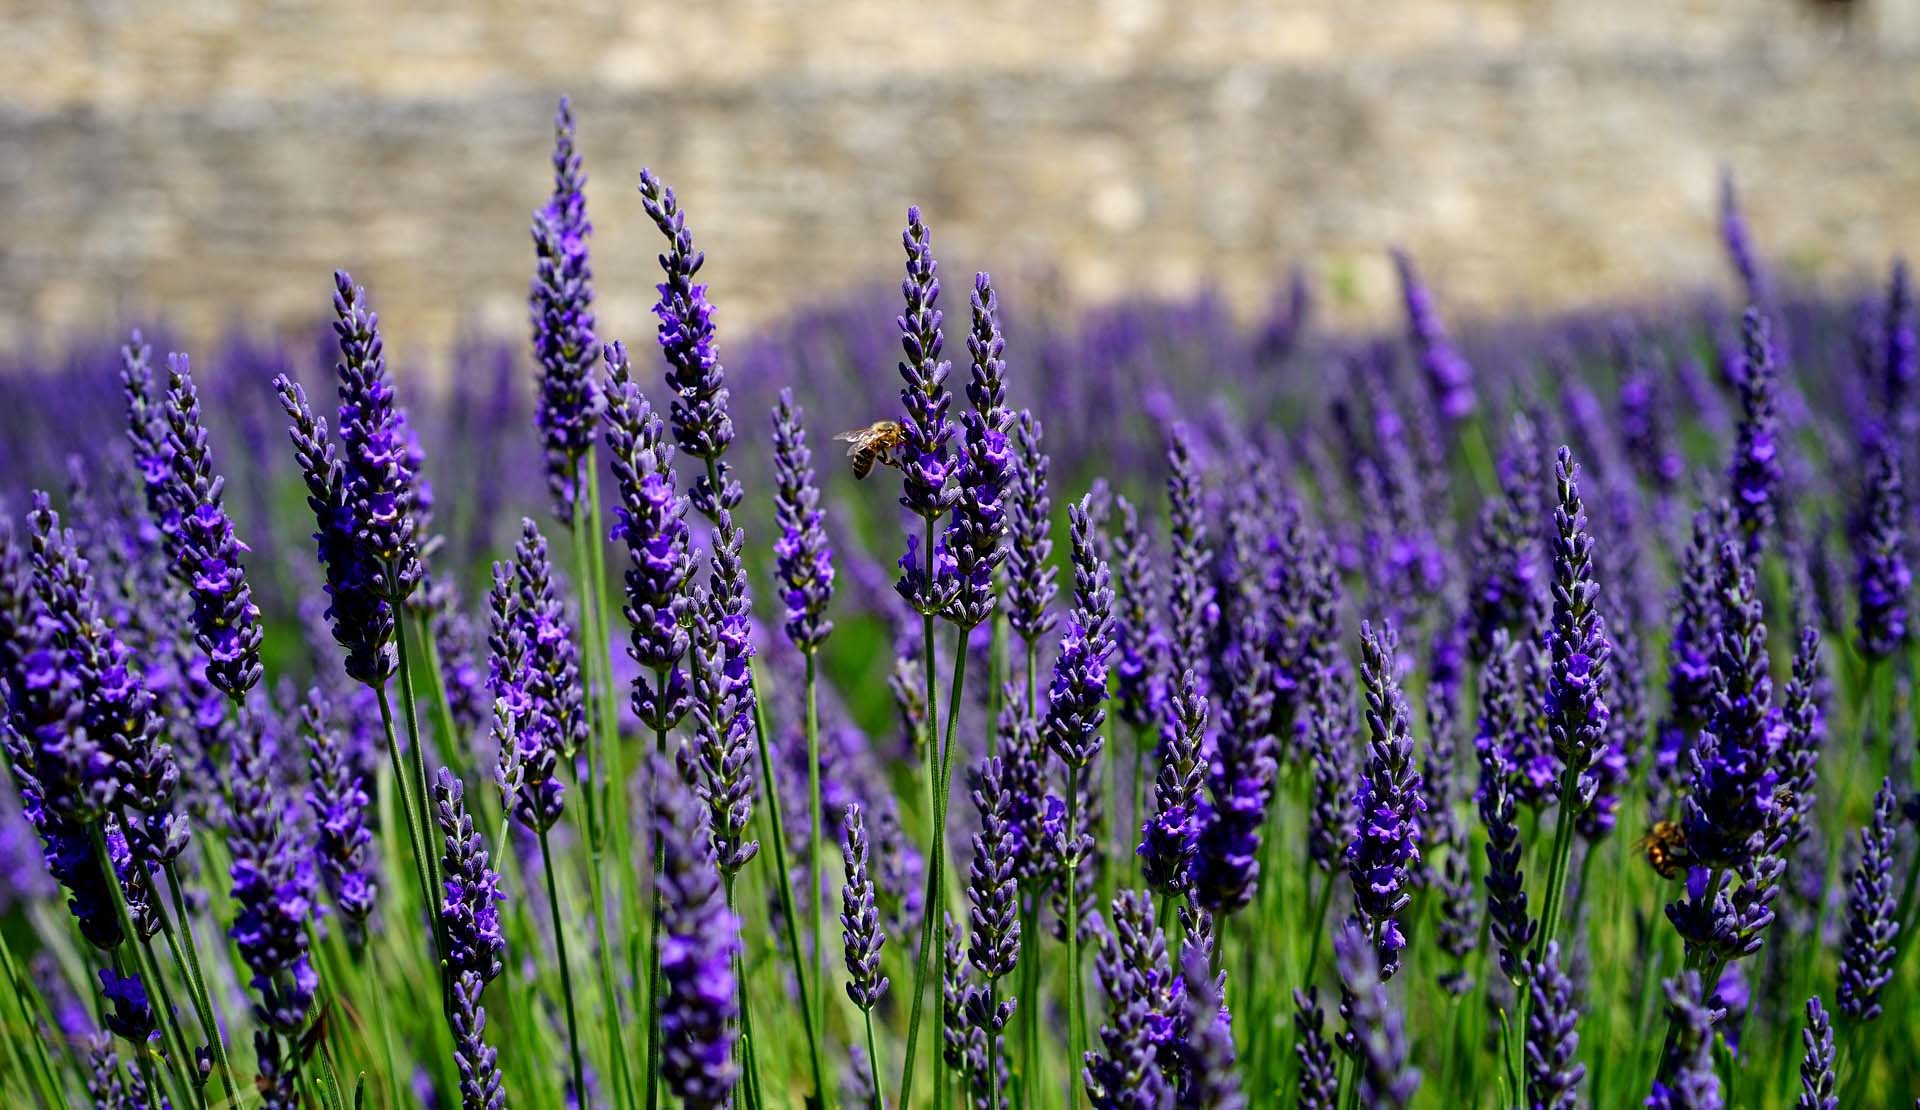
x=476 y=948
x=1816 y=1065
x=561 y=306
x=1755 y=474
x=1385 y=852
x=860 y=933
x=1866 y=956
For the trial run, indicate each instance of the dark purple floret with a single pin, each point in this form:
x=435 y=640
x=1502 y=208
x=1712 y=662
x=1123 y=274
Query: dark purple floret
x=860 y=930
x=478 y=1063
x=128 y=1014
x=928 y=489
x=1376 y=1033
x=1880 y=556
x=206 y=553
x=553 y=662
x=1689 y=1080
x=974 y=538
x=1385 y=851
x=1134 y=973
x=561 y=302
x=1507 y=916
x=1030 y=569
x=362 y=620
x=1576 y=710
x=1554 y=1071
x=1867 y=954
x=1508 y=579
x=272 y=887
x=1755 y=474
x=992 y=898
x=1140 y=679
x=1816 y=1063
x=339 y=805
x=1226 y=863
x=651 y=519
x=381 y=479
x=1190 y=601
x=1733 y=765
x=1170 y=836
x=1449 y=379
x=719 y=761
x=1319 y=1086
x=470 y=904
x=1078 y=692
x=803 y=558
x=699 y=941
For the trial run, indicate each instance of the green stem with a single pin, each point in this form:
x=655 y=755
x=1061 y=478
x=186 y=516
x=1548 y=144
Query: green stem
x=816 y=826
x=21 y=991
x=873 y=1061
x=189 y=965
x=1029 y=1007
x=566 y=974
x=1070 y=884
x=148 y=967
x=400 y=790
x=777 y=835
x=930 y=920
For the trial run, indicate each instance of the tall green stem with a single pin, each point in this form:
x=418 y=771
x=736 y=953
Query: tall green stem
x=1071 y=885
x=405 y=796
x=430 y=861
x=189 y=963
x=816 y=900
x=873 y=1062
x=149 y=968
x=653 y=922
x=930 y=919
x=18 y=990
x=566 y=972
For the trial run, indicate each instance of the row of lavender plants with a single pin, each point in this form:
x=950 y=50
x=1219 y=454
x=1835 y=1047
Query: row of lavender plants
x=1518 y=715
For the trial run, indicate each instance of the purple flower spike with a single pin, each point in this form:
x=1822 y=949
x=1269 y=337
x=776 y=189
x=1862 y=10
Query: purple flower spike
x=553 y=662
x=1190 y=602
x=1141 y=681
x=1553 y=1071
x=1689 y=661
x=1880 y=556
x=561 y=304
x=272 y=887
x=1376 y=1032
x=1078 y=693
x=1690 y=1082
x=1170 y=837
x=802 y=555
x=1209 y=1079
x=1511 y=926
x=1756 y=473
x=1134 y=973
x=859 y=918
x=1900 y=356
x=975 y=537
x=928 y=486
x=147 y=437
x=1226 y=865
x=1507 y=584
x=992 y=897
x=651 y=518
x=719 y=761
x=1449 y=378
x=381 y=480
x=206 y=553
x=1866 y=956
x=128 y=1014
x=1030 y=577
x=1738 y=243
x=701 y=425
x=339 y=805
x=1385 y=852
x=699 y=943
x=1576 y=708
x=470 y=904
x=1329 y=721
x=1816 y=1064
x=1319 y=1087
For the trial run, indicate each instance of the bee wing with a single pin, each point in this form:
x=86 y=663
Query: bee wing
x=856 y=441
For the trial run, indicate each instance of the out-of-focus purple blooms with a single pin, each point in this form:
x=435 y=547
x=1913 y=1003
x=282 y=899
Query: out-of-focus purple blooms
x=362 y=620
x=147 y=437
x=206 y=554
x=470 y=904
x=1140 y=686
x=1385 y=851
x=272 y=887
x=1880 y=555
x=701 y=425
x=928 y=489
x=1376 y=1034
x=1169 y=838
x=1553 y=1071
x=1190 y=602
x=1737 y=241
x=1449 y=379
x=1319 y=1086
x=1646 y=427
x=860 y=930
x=561 y=304
x=899 y=870
x=699 y=942
x=553 y=662
x=478 y=1062
x=1226 y=863
x=954 y=1032
x=453 y=641
x=1900 y=356
x=1509 y=922
x=1125 y=1074
x=1078 y=693
x=1733 y=765
x=381 y=471
x=651 y=518
x=128 y=1014
x=1458 y=930
x=1209 y=1078
x=803 y=558
x=1805 y=736
x=339 y=806
x=1688 y=1079
x=1866 y=956
x=1576 y=709
x=1507 y=587
x=1689 y=661
x=992 y=897
x=719 y=761
x=1030 y=569
x=1754 y=476
x=1816 y=1063
x=974 y=538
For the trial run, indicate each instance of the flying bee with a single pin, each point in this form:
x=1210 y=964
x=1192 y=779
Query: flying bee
x=879 y=442
x=1665 y=846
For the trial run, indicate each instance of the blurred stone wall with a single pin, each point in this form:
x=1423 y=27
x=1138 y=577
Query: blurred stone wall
x=213 y=160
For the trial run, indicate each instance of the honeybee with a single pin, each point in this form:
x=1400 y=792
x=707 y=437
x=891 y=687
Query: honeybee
x=879 y=442
x=1665 y=846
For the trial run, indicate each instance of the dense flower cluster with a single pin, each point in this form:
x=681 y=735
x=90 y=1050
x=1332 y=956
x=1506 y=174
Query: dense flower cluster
x=561 y=304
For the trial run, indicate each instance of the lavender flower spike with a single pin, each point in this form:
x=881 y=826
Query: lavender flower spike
x=699 y=941
x=1319 y=1086
x=1449 y=378
x=859 y=919
x=1755 y=474
x=470 y=916
x=272 y=888
x=1385 y=852
x=1553 y=1071
x=206 y=553
x=1169 y=838
x=701 y=425
x=992 y=897
x=1816 y=1065
x=1511 y=926
x=1030 y=576
x=561 y=306
x=975 y=537
x=1376 y=1033
x=1576 y=709
x=928 y=487
x=1691 y=1083
x=1126 y=1074
x=382 y=494
x=1076 y=697
x=1866 y=956
x=1880 y=555
x=802 y=555
x=1209 y=1079
x=1189 y=592
x=339 y=806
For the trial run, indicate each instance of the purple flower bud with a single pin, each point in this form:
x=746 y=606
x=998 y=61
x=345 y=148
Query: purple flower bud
x=859 y=918
x=339 y=806
x=1507 y=917
x=993 y=905
x=561 y=303
x=974 y=537
x=927 y=470
x=381 y=471
x=1170 y=836
x=1449 y=378
x=1134 y=973
x=128 y=1014
x=1689 y=1081
x=272 y=887
x=1030 y=575
x=1553 y=1071
x=1209 y=1079
x=1866 y=956
x=1319 y=1086
x=1816 y=1065
x=1755 y=474
x=802 y=555
x=1385 y=851
x=699 y=944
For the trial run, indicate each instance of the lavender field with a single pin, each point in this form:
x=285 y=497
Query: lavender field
x=1184 y=712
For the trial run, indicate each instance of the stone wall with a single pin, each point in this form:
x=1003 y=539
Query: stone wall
x=215 y=160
